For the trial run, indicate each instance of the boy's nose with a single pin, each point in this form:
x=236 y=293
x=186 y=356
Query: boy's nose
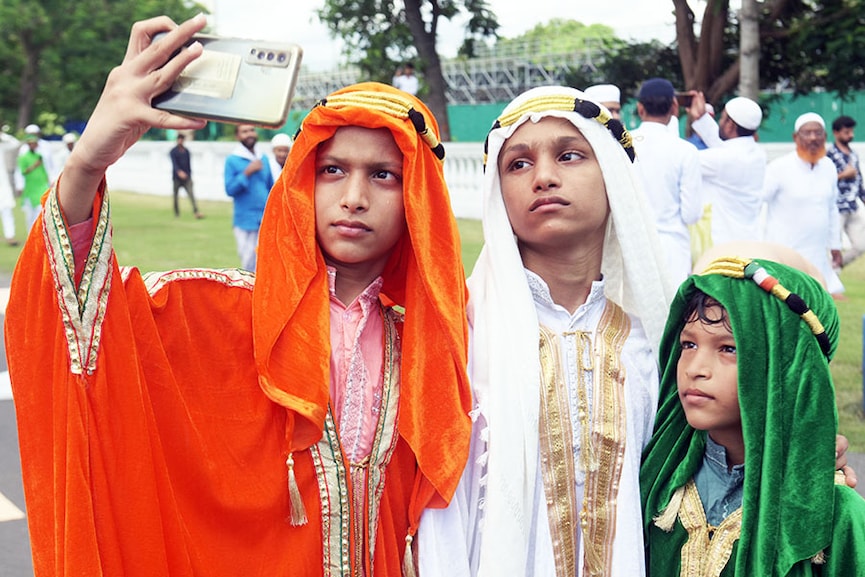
x=354 y=197
x=546 y=176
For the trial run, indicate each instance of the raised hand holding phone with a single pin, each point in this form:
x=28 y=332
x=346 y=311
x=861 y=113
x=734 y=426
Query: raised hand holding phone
x=236 y=80
x=124 y=111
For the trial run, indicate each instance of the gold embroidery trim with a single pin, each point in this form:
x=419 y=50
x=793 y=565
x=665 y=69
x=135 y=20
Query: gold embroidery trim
x=351 y=494
x=609 y=434
x=233 y=277
x=557 y=456
x=82 y=308
x=706 y=554
x=603 y=436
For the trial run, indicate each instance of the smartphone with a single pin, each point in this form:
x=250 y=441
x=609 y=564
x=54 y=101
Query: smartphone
x=684 y=99
x=236 y=80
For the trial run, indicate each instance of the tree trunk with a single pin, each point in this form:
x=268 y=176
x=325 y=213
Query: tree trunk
x=29 y=80
x=749 y=50
x=687 y=42
x=425 y=42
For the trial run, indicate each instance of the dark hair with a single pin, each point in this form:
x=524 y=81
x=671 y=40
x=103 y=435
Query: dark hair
x=697 y=307
x=656 y=105
x=741 y=130
x=843 y=122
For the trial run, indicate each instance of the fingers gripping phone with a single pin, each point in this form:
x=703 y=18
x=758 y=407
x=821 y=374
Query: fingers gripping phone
x=236 y=80
x=684 y=99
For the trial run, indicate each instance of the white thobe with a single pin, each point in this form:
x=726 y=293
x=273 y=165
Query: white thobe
x=801 y=211
x=451 y=540
x=733 y=172
x=669 y=168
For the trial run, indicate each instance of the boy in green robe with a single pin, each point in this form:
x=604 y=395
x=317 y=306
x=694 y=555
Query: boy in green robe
x=738 y=478
x=35 y=180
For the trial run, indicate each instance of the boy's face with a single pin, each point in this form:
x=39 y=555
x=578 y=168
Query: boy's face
x=280 y=153
x=707 y=376
x=552 y=185
x=359 y=210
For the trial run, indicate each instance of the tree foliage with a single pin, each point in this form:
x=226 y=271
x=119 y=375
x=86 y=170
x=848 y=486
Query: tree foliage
x=57 y=54
x=379 y=34
x=562 y=36
x=804 y=45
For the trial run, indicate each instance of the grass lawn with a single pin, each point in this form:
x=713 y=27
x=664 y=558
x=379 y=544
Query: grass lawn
x=147 y=235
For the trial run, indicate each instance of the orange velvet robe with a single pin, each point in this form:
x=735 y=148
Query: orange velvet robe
x=156 y=414
x=177 y=468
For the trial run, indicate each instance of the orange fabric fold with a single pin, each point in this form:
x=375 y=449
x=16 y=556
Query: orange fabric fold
x=147 y=446
x=423 y=276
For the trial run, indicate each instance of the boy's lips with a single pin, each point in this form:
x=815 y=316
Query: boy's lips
x=693 y=394
x=351 y=227
x=547 y=200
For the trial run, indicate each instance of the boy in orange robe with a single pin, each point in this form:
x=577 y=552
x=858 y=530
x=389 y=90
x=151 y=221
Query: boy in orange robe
x=185 y=423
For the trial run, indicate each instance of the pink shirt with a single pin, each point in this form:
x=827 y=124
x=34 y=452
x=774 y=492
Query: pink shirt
x=356 y=359
x=356 y=362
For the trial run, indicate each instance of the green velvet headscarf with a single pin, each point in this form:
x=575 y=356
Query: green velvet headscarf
x=789 y=421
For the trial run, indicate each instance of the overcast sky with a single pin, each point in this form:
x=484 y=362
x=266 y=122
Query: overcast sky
x=294 y=20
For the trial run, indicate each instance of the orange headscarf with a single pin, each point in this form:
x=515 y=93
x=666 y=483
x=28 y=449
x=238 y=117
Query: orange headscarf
x=424 y=275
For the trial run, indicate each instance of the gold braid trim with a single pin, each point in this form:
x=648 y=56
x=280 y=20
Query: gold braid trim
x=82 y=307
x=609 y=434
x=561 y=102
x=351 y=493
x=603 y=436
x=391 y=104
x=557 y=456
x=731 y=266
x=739 y=268
x=706 y=554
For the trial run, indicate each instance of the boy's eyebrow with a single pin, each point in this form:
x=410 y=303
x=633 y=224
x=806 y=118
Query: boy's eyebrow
x=329 y=158
x=560 y=141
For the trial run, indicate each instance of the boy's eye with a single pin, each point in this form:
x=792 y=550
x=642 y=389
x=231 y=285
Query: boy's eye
x=571 y=155
x=517 y=165
x=330 y=169
x=729 y=349
x=385 y=175
x=687 y=345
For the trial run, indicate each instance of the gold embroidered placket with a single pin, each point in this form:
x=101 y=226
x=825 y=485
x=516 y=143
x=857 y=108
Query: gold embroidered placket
x=344 y=522
x=705 y=555
x=603 y=439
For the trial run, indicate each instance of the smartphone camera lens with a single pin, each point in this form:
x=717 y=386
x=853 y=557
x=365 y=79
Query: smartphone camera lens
x=270 y=56
x=261 y=55
x=281 y=57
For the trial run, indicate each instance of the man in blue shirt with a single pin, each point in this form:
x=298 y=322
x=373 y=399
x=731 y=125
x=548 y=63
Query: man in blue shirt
x=248 y=181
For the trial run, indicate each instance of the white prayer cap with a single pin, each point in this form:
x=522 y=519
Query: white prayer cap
x=281 y=139
x=806 y=118
x=744 y=112
x=603 y=93
x=69 y=137
x=32 y=129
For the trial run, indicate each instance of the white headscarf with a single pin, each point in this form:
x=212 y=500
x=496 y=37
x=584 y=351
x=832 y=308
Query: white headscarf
x=505 y=367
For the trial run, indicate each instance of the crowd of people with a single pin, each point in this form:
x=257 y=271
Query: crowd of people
x=358 y=407
x=27 y=169
x=716 y=186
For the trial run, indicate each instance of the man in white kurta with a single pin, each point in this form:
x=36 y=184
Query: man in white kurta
x=8 y=153
x=670 y=172
x=733 y=167
x=801 y=190
x=508 y=517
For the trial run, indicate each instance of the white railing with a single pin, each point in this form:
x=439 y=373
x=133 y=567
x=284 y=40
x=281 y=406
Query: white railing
x=146 y=169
